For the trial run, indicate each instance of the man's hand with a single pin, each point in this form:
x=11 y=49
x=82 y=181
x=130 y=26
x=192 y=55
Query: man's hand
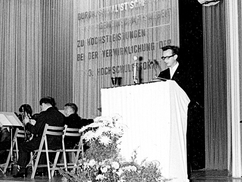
x=32 y=121
x=26 y=120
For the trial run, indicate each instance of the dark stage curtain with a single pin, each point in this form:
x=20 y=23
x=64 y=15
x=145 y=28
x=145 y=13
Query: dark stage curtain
x=216 y=141
x=191 y=44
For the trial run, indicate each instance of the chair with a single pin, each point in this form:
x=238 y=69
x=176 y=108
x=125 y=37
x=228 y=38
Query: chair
x=43 y=147
x=19 y=134
x=69 y=132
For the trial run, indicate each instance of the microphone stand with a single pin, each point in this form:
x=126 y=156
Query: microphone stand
x=135 y=70
x=140 y=70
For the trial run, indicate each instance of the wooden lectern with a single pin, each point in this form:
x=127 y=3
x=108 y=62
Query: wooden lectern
x=156 y=119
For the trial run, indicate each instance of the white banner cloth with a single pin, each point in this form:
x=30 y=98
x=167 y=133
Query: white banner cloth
x=156 y=119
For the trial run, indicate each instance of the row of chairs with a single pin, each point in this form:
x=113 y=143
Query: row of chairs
x=43 y=148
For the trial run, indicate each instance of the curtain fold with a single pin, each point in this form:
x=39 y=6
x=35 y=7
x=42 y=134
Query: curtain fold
x=215 y=88
x=36 y=46
x=57 y=64
x=240 y=46
x=20 y=56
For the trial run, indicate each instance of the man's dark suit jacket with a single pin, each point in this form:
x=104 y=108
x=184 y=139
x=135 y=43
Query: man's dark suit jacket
x=75 y=121
x=182 y=78
x=52 y=117
x=188 y=83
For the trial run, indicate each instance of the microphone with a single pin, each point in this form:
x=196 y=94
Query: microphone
x=155 y=64
x=135 y=58
x=140 y=70
x=135 y=70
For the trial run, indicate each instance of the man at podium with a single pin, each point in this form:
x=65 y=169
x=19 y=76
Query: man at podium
x=176 y=70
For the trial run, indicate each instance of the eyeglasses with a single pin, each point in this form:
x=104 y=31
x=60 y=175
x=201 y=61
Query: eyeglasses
x=167 y=57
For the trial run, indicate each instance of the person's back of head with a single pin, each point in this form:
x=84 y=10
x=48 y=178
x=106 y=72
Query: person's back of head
x=47 y=102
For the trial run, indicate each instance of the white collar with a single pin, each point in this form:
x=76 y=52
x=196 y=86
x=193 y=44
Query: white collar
x=173 y=69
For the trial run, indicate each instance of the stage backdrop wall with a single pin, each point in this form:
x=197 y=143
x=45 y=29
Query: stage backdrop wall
x=107 y=36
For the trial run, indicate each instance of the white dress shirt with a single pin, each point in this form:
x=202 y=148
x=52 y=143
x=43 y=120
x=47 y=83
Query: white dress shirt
x=173 y=69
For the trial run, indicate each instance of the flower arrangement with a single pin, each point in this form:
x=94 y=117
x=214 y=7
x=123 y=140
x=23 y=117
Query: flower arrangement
x=102 y=161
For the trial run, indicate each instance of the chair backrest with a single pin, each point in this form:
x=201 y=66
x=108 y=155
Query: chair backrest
x=53 y=130
x=20 y=133
x=71 y=132
x=48 y=131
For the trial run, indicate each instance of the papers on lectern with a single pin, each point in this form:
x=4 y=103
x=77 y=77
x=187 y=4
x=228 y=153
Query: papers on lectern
x=9 y=119
x=158 y=79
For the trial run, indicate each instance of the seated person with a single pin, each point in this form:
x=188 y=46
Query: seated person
x=48 y=115
x=73 y=120
x=25 y=110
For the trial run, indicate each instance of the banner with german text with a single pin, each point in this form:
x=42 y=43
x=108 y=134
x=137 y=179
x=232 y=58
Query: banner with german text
x=118 y=43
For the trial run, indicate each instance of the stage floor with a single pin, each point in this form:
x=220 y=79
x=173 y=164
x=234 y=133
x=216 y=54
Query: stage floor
x=197 y=176
x=58 y=179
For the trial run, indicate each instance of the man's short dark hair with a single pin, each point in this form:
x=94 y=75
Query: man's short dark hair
x=73 y=106
x=48 y=100
x=175 y=49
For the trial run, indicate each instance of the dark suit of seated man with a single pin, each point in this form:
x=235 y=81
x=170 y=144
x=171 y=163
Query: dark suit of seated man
x=50 y=115
x=73 y=120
